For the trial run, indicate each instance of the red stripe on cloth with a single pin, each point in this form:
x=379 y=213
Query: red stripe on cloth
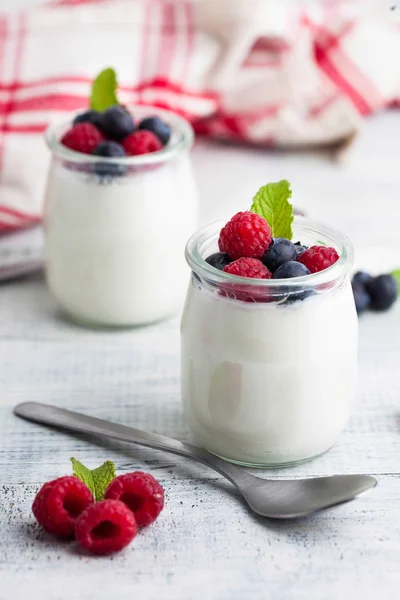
x=46 y=102
x=32 y=128
x=316 y=110
x=168 y=39
x=17 y=214
x=22 y=85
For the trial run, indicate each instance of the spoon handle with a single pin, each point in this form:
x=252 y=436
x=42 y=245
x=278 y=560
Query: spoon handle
x=46 y=414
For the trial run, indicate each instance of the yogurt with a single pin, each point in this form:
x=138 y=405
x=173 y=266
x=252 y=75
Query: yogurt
x=269 y=383
x=114 y=246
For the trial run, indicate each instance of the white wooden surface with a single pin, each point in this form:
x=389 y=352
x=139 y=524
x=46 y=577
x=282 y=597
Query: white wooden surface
x=206 y=544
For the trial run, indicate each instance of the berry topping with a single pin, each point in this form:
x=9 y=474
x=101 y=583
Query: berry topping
x=361 y=297
x=105 y=527
x=113 y=150
x=83 y=137
x=141 y=142
x=291 y=269
x=281 y=251
x=299 y=248
x=161 y=129
x=117 y=122
x=219 y=260
x=141 y=493
x=90 y=116
x=245 y=235
x=248 y=267
x=58 y=504
x=382 y=291
x=318 y=258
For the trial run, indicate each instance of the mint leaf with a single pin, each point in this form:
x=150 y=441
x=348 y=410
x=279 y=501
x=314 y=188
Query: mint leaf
x=272 y=203
x=96 y=480
x=102 y=477
x=104 y=90
x=396 y=275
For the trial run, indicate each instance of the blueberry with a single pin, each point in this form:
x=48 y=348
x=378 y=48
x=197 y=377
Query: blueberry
x=362 y=278
x=300 y=248
x=382 y=291
x=160 y=128
x=117 y=122
x=361 y=298
x=219 y=260
x=112 y=150
x=290 y=269
x=90 y=116
x=281 y=251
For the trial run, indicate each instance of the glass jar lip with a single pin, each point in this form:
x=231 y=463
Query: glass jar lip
x=182 y=139
x=339 y=269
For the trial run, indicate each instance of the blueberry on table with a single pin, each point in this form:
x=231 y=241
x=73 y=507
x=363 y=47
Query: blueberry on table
x=219 y=260
x=90 y=116
x=361 y=297
x=109 y=149
x=159 y=127
x=281 y=251
x=382 y=291
x=361 y=277
x=290 y=269
x=116 y=122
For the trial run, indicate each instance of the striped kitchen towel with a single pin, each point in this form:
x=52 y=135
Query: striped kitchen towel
x=268 y=72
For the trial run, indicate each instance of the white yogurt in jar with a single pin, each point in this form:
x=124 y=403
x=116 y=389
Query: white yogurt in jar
x=114 y=247
x=266 y=383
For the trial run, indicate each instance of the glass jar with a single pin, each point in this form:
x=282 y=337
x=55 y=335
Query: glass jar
x=269 y=367
x=115 y=228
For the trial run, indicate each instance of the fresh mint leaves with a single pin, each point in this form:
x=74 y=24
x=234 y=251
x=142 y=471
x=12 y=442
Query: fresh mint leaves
x=97 y=480
x=104 y=90
x=272 y=203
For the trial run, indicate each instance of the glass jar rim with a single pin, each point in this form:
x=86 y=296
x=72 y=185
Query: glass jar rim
x=339 y=269
x=181 y=140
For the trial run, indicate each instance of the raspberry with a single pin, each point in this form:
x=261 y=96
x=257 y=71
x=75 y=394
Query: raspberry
x=141 y=142
x=141 y=493
x=82 y=137
x=59 y=502
x=318 y=258
x=248 y=267
x=105 y=527
x=245 y=235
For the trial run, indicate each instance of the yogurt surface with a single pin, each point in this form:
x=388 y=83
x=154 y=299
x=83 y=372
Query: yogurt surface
x=267 y=383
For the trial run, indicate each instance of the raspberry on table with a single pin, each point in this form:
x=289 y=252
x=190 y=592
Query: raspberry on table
x=141 y=142
x=248 y=267
x=105 y=527
x=318 y=258
x=141 y=492
x=245 y=235
x=82 y=137
x=58 y=503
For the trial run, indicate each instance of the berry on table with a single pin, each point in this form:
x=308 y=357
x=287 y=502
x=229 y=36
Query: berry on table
x=382 y=291
x=245 y=235
x=281 y=251
x=82 y=137
x=117 y=122
x=291 y=269
x=248 y=267
x=361 y=296
x=109 y=149
x=318 y=258
x=90 y=116
x=159 y=127
x=361 y=277
x=141 y=493
x=141 y=142
x=219 y=260
x=58 y=504
x=105 y=527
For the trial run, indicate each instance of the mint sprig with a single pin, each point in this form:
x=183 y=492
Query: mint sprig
x=104 y=90
x=97 y=480
x=396 y=275
x=272 y=203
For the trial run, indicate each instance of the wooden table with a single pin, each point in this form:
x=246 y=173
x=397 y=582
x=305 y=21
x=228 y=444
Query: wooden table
x=206 y=544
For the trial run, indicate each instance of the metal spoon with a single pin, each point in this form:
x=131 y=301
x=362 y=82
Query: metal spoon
x=276 y=499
